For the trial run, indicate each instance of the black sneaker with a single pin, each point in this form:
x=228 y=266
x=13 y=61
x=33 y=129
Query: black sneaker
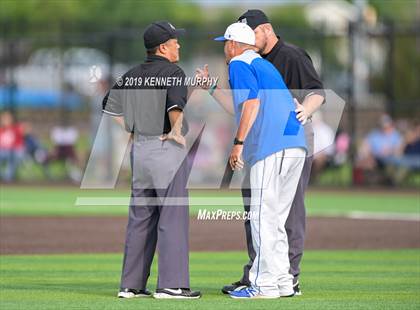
x=176 y=293
x=235 y=286
x=297 y=290
x=132 y=293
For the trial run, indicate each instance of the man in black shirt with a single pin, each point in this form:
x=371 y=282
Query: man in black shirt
x=148 y=101
x=300 y=77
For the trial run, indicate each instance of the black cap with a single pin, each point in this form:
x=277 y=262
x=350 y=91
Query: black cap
x=253 y=18
x=160 y=32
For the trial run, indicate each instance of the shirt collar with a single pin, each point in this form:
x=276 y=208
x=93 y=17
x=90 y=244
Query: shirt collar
x=279 y=44
x=249 y=51
x=153 y=58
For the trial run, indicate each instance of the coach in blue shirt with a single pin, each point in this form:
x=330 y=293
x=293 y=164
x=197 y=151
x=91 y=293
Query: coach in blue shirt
x=253 y=78
x=271 y=141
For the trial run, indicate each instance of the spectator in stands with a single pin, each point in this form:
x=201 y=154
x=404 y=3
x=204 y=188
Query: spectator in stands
x=11 y=146
x=380 y=148
x=34 y=150
x=342 y=147
x=411 y=150
x=64 y=138
x=409 y=159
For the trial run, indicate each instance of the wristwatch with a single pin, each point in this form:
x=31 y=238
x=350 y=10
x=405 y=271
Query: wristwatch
x=212 y=89
x=237 y=142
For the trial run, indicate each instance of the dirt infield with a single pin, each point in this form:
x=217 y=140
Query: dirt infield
x=38 y=235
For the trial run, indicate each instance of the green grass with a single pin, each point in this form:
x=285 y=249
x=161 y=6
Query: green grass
x=53 y=201
x=331 y=280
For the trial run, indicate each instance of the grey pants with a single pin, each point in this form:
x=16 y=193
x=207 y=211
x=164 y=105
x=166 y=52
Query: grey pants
x=295 y=224
x=160 y=173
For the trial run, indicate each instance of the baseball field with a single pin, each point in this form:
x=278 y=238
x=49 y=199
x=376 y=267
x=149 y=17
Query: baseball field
x=363 y=251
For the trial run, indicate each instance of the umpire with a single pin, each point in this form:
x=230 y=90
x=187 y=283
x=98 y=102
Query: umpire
x=158 y=214
x=300 y=77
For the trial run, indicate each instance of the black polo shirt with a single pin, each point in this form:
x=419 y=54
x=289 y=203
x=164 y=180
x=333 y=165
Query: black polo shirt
x=145 y=94
x=296 y=68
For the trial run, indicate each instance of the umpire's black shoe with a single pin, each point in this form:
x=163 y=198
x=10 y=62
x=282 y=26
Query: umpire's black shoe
x=234 y=286
x=176 y=293
x=132 y=293
x=296 y=289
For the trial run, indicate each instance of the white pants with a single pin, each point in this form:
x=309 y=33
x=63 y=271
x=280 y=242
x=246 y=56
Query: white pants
x=273 y=186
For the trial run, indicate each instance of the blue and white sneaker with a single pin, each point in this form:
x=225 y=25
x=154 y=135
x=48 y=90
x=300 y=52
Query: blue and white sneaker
x=249 y=293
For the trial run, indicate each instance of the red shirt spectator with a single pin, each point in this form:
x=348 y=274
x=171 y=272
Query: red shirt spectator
x=11 y=137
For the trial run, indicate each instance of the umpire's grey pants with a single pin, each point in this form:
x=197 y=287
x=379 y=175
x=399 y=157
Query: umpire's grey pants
x=295 y=224
x=159 y=174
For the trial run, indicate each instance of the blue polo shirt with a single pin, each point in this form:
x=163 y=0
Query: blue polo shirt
x=276 y=127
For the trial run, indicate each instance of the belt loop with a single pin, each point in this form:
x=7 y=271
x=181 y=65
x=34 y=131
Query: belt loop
x=142 y=138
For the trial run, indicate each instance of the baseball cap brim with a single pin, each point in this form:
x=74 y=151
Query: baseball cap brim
x=221 y=39
x=180 y=32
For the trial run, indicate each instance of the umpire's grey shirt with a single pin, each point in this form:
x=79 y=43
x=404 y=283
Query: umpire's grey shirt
x=146 y=112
